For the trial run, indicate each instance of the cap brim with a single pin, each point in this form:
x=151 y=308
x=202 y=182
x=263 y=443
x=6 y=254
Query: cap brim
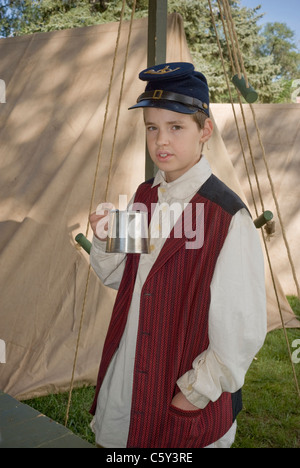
x=164 y=104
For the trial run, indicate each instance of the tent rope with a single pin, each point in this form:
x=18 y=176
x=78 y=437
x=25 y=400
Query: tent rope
x=231 y=25
x=276 y=201
x=235 y=42
x=120 y=99
x=236 y=53
x=230 y=94
x=97 y=170
x=239 y=58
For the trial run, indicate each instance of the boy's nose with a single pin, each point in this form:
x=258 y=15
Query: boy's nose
x=162 y=138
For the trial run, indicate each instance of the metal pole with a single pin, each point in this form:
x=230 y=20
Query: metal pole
x=157 y=48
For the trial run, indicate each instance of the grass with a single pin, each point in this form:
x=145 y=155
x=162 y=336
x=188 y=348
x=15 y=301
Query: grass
x=271 y=414
x=55 y=406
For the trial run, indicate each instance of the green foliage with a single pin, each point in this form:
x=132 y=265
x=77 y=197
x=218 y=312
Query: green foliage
x=271 y=57
x=280 y=46
x=201 y=38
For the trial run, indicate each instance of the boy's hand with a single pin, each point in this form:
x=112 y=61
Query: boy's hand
x=179 y=401
x=94 y=220
x=99 y=220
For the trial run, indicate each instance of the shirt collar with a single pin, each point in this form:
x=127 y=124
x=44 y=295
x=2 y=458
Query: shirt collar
x=188 y=183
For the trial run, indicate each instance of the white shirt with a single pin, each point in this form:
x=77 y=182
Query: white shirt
x=237 y=314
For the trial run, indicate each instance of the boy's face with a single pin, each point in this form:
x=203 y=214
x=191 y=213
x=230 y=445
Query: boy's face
x=174 y=141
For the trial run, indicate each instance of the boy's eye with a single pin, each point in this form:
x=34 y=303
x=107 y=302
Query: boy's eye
x=176 y=127
x=151 y=128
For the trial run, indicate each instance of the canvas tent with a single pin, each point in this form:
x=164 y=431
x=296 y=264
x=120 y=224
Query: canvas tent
x=56 y=89
x=279 y=126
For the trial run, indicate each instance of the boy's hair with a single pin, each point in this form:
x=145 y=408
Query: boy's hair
x=199 y=118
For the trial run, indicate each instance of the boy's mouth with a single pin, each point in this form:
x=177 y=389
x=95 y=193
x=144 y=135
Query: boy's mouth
x=163 y=155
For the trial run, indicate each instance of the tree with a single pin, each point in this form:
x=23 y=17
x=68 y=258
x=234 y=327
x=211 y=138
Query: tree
x=20 y=17
x=279 y=43
x=201 y=37
x=24 y=17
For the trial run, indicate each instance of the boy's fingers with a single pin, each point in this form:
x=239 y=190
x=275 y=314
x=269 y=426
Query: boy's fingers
x=94 y=217
x=104 y=207
x=99 y=220
x=101 y=227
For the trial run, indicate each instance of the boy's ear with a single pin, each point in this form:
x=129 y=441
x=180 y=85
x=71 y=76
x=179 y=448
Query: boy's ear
x=207 y=130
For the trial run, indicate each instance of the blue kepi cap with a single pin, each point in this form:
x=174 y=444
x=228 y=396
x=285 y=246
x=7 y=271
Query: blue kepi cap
x=174 y=86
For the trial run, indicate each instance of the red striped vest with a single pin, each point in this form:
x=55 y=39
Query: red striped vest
x=173 y=328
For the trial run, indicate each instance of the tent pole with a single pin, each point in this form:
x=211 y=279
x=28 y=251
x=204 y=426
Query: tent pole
x=157 y=47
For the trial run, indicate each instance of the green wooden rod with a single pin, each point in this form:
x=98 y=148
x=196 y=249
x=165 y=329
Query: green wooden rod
x=84 y=242
x=263 y=219
x=248 y=93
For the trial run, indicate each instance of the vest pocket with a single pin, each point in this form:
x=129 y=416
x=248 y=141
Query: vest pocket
x=184 y=429
x=199 y=428
x=184 y=413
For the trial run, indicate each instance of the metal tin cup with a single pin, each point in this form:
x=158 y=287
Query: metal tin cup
x=127 y=232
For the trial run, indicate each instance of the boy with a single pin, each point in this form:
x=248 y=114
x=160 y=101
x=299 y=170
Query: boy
x=190 y=316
